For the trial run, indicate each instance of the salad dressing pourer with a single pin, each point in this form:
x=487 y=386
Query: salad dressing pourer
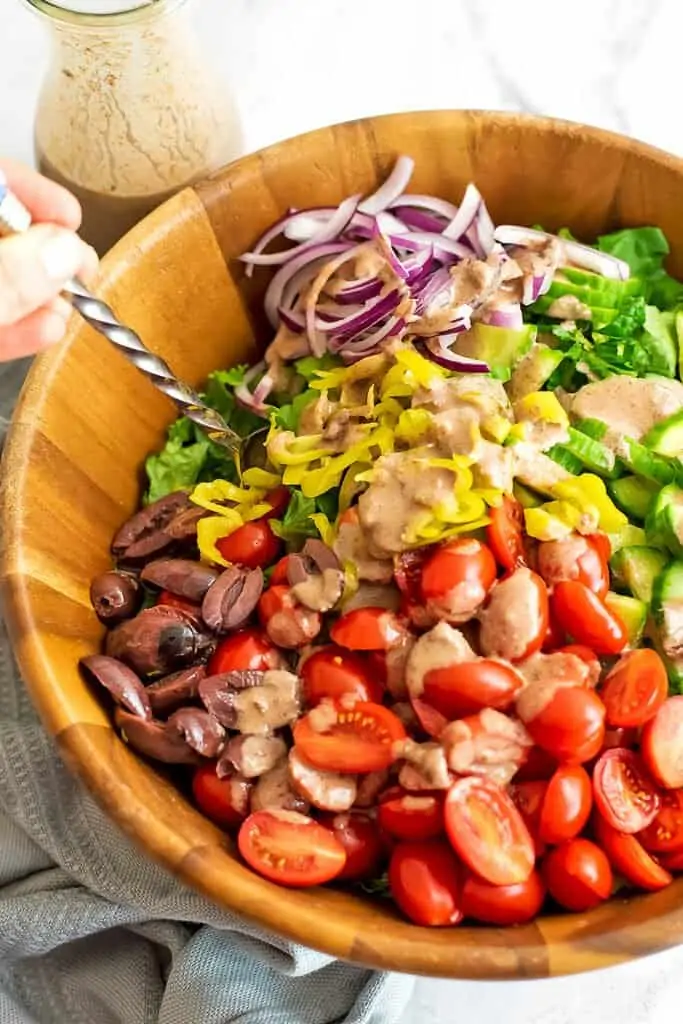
x=15 y=219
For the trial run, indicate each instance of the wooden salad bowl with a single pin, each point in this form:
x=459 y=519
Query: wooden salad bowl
x=87 y=419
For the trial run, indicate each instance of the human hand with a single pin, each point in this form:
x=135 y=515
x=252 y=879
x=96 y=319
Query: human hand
x=35 y=266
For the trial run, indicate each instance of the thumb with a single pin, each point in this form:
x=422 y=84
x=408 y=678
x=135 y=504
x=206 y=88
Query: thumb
x=35 y=266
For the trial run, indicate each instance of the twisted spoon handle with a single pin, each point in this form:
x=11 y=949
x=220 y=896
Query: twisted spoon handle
x=15 y=218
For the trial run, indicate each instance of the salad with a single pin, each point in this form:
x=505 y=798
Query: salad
x=427 y=639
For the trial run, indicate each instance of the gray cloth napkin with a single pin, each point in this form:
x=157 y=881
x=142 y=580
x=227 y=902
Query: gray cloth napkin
x=92 y=932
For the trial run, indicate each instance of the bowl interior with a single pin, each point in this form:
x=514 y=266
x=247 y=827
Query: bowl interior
x=86 y=421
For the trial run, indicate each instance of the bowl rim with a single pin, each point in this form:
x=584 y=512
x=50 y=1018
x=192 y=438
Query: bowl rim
x=550 y=946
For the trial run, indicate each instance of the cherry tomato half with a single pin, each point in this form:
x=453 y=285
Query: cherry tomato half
x=410 y=815
x=278 y=499
x=662 y=744
x=625 y=795
x=629 y=858
x=468 y=686
x=635 y=689
x=585 y=617
x=578 y=875
x=175 y=601
x=253 y=545
x=249 y=649
x=218 y=799
x=288 y=623
x=424 y=878
x=671 y=861
x=503 y=905
x=360 y=837
x=528 y=798
x=515 y=621
x=566 y=806
x=571 y=726
x=357 y=739
x=457 y=577
x=505 y=533
x=487 y=831
x=333 y=672
x=367 y=629
x=290 y=849
x=574 y=558
x=278 y=577
x=538 y=765
x=665 y=834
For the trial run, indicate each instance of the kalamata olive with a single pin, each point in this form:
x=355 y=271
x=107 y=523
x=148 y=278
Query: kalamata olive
x=145 y=533
x=315 y=576
x=370 y=786
x=183 y=527
x=199 y=729
x=155 y=740
x=120 y=681
x=172 y=691
x=251 y=756
x=218 y=692
x=159 y=639
x=232 y=598
x=180 y=576
x=115 y=596
x=256 y=710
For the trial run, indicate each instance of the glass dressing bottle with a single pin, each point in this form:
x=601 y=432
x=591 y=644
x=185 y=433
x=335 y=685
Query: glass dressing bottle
x=129 y=112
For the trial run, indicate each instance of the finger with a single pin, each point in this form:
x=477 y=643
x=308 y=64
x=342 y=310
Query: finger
x=45 y=200
x=35 y=266
x=34 y=333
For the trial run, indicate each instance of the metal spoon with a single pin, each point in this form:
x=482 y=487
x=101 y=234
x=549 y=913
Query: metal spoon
x=15 y=219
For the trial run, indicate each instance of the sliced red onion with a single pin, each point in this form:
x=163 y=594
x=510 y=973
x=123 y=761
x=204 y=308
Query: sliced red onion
x=467 y=212
x=303 y=224
x=417 y=240
x=292 y=320
x=582 y=256
x=305 y=261
x=481 y=233
x=327 y=231
x=509 y=316
x=418 y=220
x=394 y=185
x=255 y=401
x=316 y=339
x=440 y=354
x=388 y=252
x=359 y=291
x=433 y=204
x=440 y=281
x=371 y=344
x=345 y=330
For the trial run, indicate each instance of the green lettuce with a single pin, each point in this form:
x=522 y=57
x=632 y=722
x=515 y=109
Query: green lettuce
x=645 y=250
x=188 y=457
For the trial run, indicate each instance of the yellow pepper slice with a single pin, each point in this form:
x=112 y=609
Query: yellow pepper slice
x=589 y=492
x=211 y=529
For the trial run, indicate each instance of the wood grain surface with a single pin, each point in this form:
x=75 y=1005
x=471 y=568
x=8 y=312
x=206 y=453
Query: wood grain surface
x=87 y=419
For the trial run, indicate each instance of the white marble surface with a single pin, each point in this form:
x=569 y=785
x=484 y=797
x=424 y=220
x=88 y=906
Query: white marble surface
x=298 y=64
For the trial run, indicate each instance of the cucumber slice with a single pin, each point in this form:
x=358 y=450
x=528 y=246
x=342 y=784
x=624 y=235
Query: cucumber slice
x=594 y=456
x=633 y=495
x=643 y=462
x=666 y=438
x=500 y=347
x=563 y=457
x=592 y=428
x=631 y=611
x=678 y=325
x=637 y=568
x=667 y=609
x=664 y=521
x=627 y=536
x=533 y=370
